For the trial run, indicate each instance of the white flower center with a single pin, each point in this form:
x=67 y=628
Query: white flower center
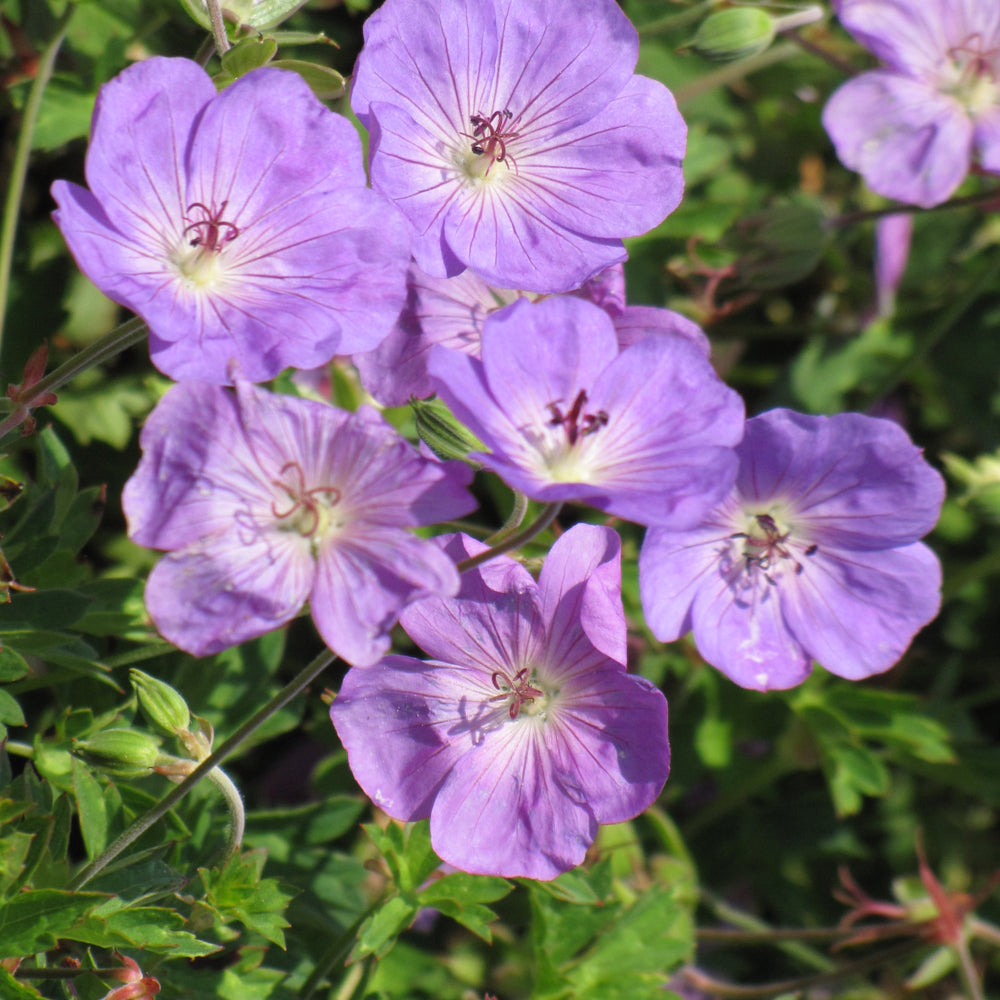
x=311 y=512
x=772 y=543
x=564 y=444
x=198 y=259
x=972 y=75
x=487 y=153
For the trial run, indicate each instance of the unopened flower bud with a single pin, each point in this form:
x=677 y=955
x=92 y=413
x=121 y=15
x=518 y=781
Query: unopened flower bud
x=734 y=33
x=162 y=705
x=127 y=753
x=441 y=432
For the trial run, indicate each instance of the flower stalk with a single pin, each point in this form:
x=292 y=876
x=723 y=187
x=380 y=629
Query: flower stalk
x=22 y=153
x=294 y=687
x=548 y=514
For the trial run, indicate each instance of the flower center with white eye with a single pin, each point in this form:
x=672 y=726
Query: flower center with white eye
x=769 y=547
x=205 y=235
x=307 y=512
x=972 y=75
x=489 y=146
x=565 y=450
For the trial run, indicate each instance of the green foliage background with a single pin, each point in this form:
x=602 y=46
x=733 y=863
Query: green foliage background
x=769 y=794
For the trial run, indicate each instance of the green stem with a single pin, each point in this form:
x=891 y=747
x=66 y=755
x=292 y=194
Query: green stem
x=851 y=218
x=704 y=982
x=61 y=973
x=154 y=815
x=20 y=749
x=237 y=813
x=819 y=51
x=671 y=21
x=746 y=922
x=545 y=518
x=22 y=153
x=772 y=935
x=339 y=949
x=735 y=71
x=110 y=345
x=513 y=522
x=939 y=330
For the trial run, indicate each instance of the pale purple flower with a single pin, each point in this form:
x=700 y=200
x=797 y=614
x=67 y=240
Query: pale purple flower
x=893 y=235
x=451 y=312
x=524 y=731
x=237 y=225
x=264 y=502
x=515 y=137
x=645 y=433
x=814 y=556
x=913 y=128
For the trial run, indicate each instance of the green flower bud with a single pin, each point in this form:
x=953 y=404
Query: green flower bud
x=127 y=753
x=161 y=704
x=441 y=432
x=780 y=245
x=734 y=33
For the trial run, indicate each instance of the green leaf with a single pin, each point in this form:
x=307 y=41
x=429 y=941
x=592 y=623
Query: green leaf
x=91 y=809
x=407 y=852
x=46 y=609
x=379 y=932
x=461 y=896
x=34 y=921
x=116 y=924
x=12 y=666
x=248 y=55
x=10 y=710
x=12 y=989
x=713 y=741
x=237 y=892
x=325 y=82
x=57 y=472
x=64 y=115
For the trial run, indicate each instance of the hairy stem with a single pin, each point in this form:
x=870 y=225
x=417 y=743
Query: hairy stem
x=22 y=153
x=735 y=72
x=705 y=982
x=513 y=522
x=237 y=813
x=154 y=815
x=111 y=344
x=545 y=518
x=218 y=27
x=337 y=952
x=793 y=946
x=851 y=218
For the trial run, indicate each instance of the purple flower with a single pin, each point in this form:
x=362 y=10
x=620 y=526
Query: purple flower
x=645 y=433
x=515 y=137
x=814 y=556
x=912 y=128
x=237 y=225
x=525 y=731
x=264 y=502
x=893 y=235
x=451 y=312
